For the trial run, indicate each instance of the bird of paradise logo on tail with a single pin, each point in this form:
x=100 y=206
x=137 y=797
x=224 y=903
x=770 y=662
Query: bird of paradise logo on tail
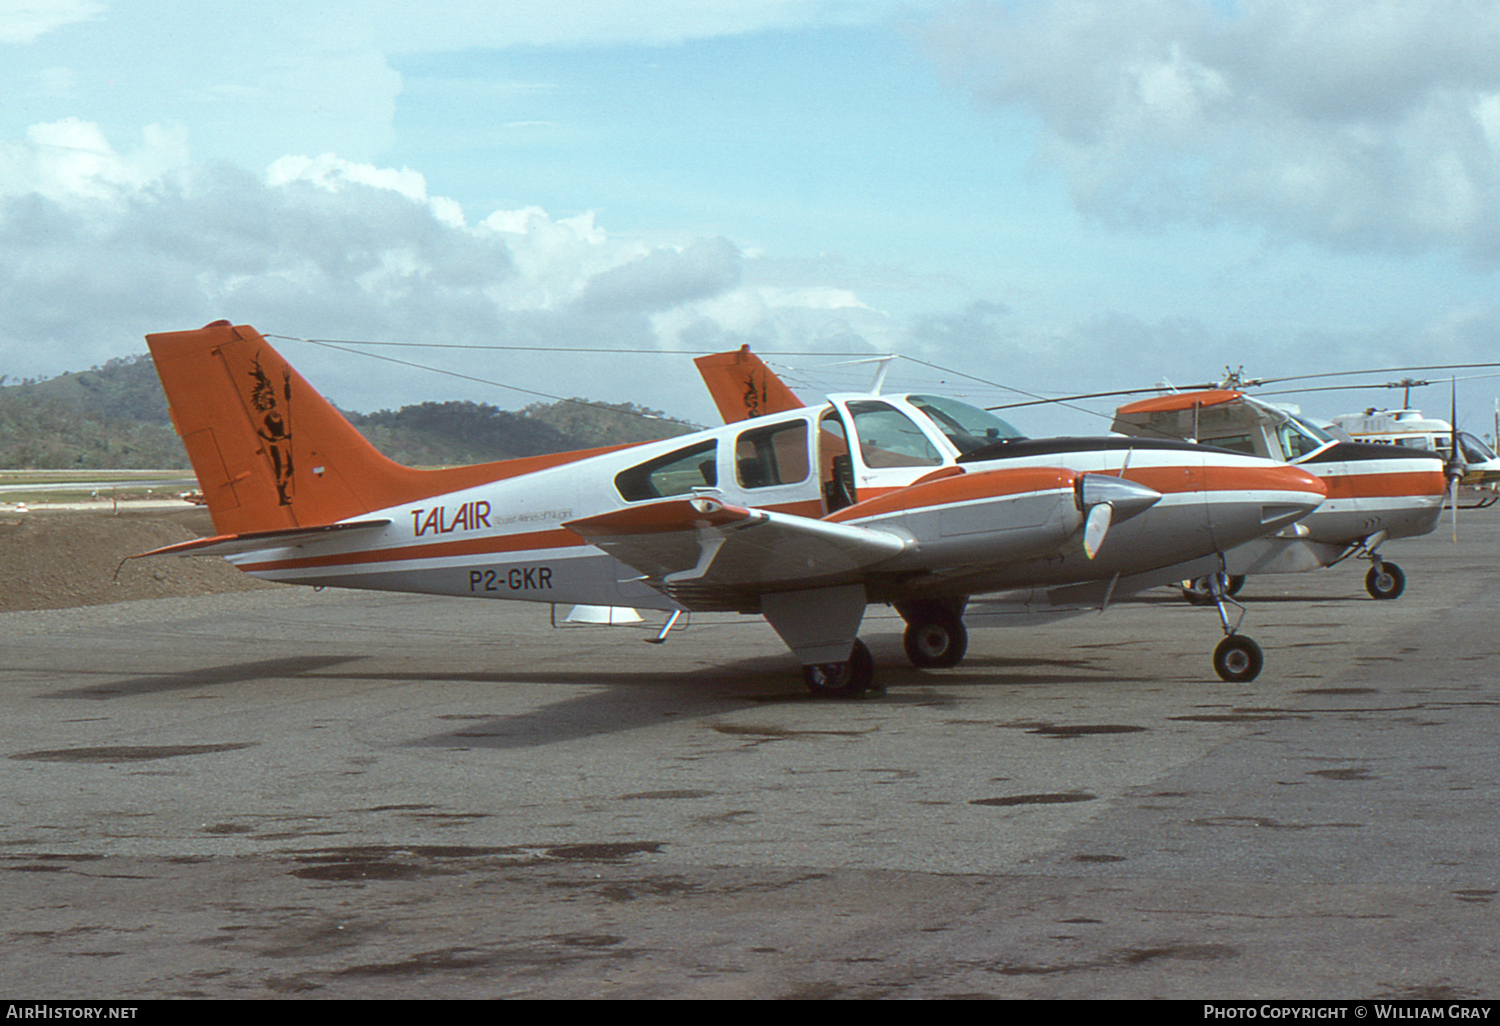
x=743 y=387
x=275 y=427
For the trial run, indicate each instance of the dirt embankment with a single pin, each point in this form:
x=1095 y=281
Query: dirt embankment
x=55 y=560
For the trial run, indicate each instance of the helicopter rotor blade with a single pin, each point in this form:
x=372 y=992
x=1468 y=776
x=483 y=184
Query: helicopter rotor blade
x=1259 y=385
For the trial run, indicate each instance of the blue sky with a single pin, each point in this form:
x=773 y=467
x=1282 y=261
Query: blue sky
x=1054 y=196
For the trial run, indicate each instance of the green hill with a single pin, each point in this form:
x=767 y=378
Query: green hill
x=115 y=417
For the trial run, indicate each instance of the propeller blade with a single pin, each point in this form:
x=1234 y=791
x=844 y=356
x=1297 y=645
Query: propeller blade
x=1103 y=499
x=1095 y=527
x=1456 y=464
x=1453 y=420
x=1453 y=500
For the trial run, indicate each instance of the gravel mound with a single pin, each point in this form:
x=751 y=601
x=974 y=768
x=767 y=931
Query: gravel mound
x=56 y=560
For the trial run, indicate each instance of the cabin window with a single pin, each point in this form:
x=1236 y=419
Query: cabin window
x=1236 y=443
x=676 y=473
x=769 y=456
x=889 y=438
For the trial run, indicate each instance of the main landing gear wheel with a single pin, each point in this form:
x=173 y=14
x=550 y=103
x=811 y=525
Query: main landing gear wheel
x=1237 y=659
x=936 y=642
x=1385 y=581
x=854 y=676
x=1199 y=593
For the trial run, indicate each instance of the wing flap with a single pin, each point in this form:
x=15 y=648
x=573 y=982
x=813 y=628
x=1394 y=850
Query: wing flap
x=705 y=541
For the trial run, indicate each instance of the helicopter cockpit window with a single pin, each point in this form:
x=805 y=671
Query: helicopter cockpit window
x=968 y=427
x=1474 y=450
x=676 y=473
x=889 y=438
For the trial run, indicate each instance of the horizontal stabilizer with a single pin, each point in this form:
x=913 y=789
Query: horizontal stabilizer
x=233 y=544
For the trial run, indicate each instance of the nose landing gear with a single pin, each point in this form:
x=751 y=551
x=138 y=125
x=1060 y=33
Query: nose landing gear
x=1385 y=580
x=1236 y=658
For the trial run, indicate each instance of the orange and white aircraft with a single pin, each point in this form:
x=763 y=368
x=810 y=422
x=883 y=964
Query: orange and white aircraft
x=1375 y=492
x=804 y=516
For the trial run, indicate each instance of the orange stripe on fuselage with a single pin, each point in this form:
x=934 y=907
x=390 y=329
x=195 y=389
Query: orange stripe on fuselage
x=557 y=539
x=944 y=491
x=1395 y=485
x=1198 y=478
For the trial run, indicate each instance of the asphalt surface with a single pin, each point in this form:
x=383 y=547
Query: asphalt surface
x=294 y=794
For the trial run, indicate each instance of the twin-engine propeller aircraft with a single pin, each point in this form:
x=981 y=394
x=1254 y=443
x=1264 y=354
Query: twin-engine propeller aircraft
x=963 y=436
x=804 y=516
x=1375 y=492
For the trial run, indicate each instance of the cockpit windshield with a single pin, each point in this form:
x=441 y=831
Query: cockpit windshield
x=1474 y=450
x=1301 y=437
x=968 y=427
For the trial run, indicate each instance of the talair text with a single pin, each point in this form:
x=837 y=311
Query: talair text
x=470 y=517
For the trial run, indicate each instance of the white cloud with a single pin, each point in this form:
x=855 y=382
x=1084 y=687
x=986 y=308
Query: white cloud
x=22 y=21
x=333 y=174
x=1368 y=125
x=665 y=277
x=98 y=248
x=71 y=160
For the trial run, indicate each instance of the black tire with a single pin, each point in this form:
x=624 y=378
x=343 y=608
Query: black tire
x=854 y=676
x=1386 y=581
x=1238 y=659
x=936 y=643
x=1196 y=592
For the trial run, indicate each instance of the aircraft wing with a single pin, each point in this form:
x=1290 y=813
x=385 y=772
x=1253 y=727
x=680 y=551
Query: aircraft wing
x=234 y=544
x=708 y=553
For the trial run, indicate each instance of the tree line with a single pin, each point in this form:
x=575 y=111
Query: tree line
x=114 y=417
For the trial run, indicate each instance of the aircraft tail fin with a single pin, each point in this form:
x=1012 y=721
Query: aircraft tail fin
x=743 y=386
x=271 y=454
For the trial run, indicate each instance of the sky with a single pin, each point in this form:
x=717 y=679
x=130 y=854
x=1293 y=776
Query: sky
x=1016 y=198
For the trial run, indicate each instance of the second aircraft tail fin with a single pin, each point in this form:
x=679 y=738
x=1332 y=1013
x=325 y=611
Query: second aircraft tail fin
x=743 y=386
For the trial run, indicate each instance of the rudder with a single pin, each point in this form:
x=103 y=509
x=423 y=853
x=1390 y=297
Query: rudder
x=270 y=452
x=743 y=387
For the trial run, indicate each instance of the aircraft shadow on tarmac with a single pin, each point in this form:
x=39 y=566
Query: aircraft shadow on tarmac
x=1174 y=598
x=621 y=701
x=202 y=677
x=617 y=701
